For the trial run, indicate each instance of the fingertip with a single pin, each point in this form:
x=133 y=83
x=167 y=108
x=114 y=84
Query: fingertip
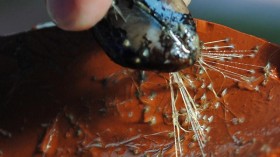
x=76 y=15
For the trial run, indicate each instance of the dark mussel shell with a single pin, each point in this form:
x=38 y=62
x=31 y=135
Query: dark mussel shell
x=149 y=35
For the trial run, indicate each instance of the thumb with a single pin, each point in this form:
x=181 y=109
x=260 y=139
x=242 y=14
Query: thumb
x=77 y=15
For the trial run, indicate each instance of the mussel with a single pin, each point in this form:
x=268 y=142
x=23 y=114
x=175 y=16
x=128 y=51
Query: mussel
x=154 y=35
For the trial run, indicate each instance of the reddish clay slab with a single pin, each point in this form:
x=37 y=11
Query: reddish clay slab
x=62 y=96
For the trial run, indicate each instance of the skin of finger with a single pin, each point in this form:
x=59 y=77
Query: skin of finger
x=76 y=15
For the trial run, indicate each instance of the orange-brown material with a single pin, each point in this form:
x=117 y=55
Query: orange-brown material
x=60 y=95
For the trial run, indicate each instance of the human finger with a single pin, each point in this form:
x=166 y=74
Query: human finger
x=77 y=15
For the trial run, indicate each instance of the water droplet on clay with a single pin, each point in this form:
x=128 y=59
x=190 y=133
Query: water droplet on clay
x=208 y=129
x=241 y=120
x=217 y=105
x=152 y=95
x=266 y=148
x=204 y=117
x=79 y=133
x=147 y=109
x=224 y=92
x=210 y=119
x=153 y=121
x=234 y=121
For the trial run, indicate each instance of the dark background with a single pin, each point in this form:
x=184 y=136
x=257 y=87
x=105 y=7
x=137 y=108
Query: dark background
x=257 y=17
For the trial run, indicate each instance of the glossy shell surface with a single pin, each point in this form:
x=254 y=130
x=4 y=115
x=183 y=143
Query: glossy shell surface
x=149 y=35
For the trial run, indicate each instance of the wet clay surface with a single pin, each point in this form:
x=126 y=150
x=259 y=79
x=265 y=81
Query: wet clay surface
x=61 y=96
